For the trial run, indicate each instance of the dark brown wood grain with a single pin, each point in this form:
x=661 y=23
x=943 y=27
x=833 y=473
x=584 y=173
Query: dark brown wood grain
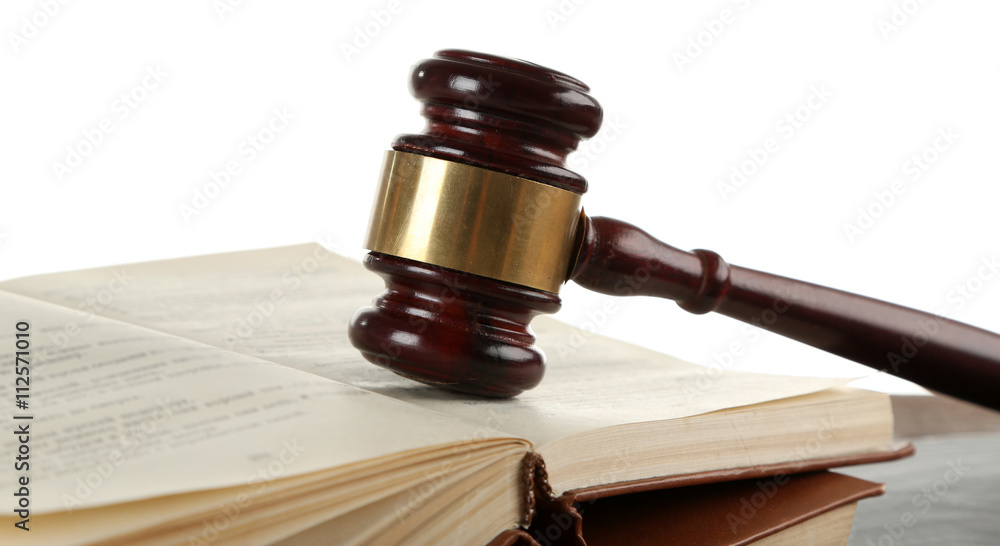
x=452 y=329
x=470 y=334
x=937 y=353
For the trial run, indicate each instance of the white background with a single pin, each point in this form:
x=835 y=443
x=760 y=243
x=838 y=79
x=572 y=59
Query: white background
x=673 y=131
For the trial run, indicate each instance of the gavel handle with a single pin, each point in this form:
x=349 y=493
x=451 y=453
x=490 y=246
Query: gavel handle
x=940 y=354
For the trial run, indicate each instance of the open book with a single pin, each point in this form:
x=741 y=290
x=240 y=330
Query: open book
x=216 y=400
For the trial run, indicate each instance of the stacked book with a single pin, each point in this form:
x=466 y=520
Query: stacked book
x=216 y=400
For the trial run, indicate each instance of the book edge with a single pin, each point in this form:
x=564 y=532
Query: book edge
x=898 y=451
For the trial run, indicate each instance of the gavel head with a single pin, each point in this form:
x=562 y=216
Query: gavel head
x=475 y=223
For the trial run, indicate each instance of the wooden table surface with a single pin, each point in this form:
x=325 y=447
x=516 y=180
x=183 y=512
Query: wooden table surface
x=948 y=493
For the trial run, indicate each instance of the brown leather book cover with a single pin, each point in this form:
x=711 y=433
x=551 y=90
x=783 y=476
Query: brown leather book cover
x=600 y=515
x=723 y=514
x=731 y=513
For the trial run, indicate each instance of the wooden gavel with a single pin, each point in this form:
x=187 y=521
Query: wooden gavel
x=477 y=223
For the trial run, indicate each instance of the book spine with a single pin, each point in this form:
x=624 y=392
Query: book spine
x=548 y=520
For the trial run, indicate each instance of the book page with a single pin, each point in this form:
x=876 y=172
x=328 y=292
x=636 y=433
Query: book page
x=120 y=412
x=291 y=305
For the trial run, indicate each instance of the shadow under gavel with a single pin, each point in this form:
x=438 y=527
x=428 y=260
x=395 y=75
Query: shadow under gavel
x=477 y=223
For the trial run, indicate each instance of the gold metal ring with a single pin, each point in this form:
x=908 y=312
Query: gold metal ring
x=474 y=220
